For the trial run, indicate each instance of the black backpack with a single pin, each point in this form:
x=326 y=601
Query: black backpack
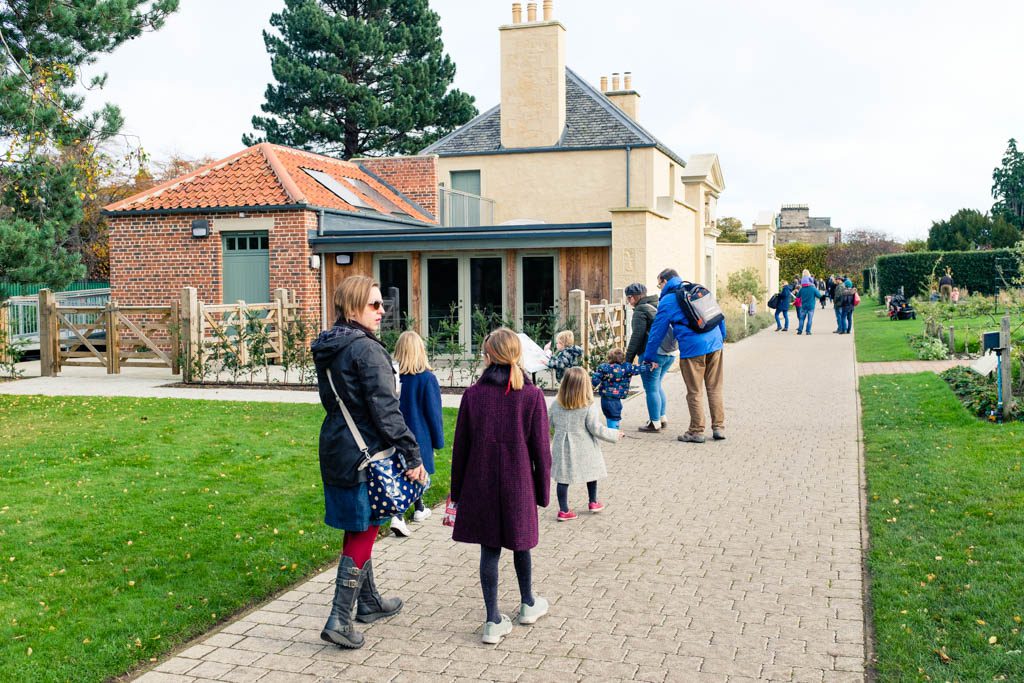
x=773 y=302
x=702 y=312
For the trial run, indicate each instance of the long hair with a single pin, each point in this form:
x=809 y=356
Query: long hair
x=352 y=295
x=503 y=347
x=411 y=354
x=575 y=390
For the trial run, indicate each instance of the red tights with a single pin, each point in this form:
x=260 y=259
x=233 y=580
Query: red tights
x=359 y=545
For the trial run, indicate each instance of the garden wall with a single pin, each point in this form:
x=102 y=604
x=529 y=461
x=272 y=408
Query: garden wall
x=976 y=270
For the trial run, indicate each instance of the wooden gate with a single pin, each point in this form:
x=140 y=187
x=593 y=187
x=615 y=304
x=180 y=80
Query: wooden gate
x=142 y=336
x=601 y=326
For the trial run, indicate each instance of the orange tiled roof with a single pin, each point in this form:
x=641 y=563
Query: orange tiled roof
x=265 y=175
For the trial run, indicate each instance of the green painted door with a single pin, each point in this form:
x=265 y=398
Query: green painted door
x=246 y=267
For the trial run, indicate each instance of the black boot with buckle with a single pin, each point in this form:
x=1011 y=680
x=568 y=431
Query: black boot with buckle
x=371 y=606
x=339 y=629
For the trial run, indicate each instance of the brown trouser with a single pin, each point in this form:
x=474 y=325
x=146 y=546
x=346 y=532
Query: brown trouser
x=947 y=292
x=698 y=372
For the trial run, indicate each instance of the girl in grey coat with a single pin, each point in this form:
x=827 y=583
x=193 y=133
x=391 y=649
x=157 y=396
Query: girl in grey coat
x=575 y=453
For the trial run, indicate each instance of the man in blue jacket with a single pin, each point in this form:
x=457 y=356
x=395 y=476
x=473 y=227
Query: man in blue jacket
x=700 y=359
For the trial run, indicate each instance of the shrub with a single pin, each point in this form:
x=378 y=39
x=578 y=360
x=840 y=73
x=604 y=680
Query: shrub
x=793 y=258
x=976 y=270
x=978 y=393
x=744 y=283
x=755 y=323
x=928 y=348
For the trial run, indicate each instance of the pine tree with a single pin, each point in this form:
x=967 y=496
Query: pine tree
x=359 y=77
x=1008 y=186
x=49 y=162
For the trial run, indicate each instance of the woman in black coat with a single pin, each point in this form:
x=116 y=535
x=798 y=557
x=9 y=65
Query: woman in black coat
x=361 y=371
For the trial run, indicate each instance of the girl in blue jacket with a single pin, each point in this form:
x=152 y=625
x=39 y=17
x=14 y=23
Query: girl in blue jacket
x=420 y=403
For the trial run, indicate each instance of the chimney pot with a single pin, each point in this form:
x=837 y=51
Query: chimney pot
x=604 y=84
x=548 y=9
x=531 y=12
x=615 y=81
x=628 y=78
x=517 y=12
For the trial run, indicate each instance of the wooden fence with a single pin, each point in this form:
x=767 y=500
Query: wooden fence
x=598 y=327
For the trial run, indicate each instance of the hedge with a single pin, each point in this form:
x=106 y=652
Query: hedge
x=975 y=270
x=794 y=257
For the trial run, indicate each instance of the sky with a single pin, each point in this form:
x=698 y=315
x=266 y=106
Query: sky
x=882 y=114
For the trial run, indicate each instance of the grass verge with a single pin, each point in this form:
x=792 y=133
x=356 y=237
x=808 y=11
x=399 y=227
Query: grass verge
x=946 y=514
x=879 y=339
x=129 y=526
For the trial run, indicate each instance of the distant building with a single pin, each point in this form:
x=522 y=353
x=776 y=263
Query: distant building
x=795 y=224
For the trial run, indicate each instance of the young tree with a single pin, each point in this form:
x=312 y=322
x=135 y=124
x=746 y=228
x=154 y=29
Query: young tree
x=49 y=166
x=359 y=77
x=1008 y=187
x=732 y=230
x=859 y=250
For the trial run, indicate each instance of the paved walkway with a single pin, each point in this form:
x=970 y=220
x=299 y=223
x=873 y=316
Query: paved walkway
x=909 y=366
x=727 y=562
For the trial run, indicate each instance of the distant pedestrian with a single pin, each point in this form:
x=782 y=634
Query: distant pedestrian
x=752 y=306
x=567 y=354
x=955 y=296
x=645 y=308
x=611 y=380
x=837 y=303
x=501 y=471
x=809 y=295
x=849 y=300
x=946 y=286
x=420 y=402
x=575 y=453
x=782 y=308
x=700 y=359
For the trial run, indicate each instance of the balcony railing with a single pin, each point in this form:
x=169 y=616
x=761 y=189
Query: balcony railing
x=462 y=209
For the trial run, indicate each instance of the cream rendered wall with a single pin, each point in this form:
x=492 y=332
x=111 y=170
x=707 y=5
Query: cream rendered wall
x=554 y=187
x=734 y=257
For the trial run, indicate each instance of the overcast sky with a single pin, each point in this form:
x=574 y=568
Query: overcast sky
x=886 y=114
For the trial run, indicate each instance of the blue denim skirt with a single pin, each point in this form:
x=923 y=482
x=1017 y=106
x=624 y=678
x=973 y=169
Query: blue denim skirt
x=348 y=508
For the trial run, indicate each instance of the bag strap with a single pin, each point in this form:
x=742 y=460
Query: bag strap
x=356 y=434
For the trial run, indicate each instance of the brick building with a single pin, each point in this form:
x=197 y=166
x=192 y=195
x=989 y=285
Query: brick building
x=243 y=226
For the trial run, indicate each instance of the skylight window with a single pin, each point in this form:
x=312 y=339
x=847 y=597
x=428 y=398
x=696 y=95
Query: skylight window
x=340 y=190
x=376 y=196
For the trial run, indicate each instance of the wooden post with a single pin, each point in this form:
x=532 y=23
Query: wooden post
x=952 y=341
x=191 y=326
x=619 y=297
x=938 y=332
x=177 y=342
x=577 y=311
x=47 y=343
x=929 y=327
x=110 y=322
x=1006 y=374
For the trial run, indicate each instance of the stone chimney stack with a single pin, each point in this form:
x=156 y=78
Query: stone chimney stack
x=626 y=99
x=517 y=12
x=532 y=80
x=604 y=84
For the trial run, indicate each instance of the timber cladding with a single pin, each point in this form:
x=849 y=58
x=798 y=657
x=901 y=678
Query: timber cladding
x=586 y=268
x=153 y=257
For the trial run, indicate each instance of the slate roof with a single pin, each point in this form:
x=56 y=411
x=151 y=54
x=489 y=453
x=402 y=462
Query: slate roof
x=273 y=176
x=592 y=121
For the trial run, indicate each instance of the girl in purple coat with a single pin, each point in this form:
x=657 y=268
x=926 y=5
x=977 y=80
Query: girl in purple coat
x=501 y=463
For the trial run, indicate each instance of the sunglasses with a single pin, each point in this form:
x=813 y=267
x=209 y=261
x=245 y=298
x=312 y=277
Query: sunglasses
x=377 y=305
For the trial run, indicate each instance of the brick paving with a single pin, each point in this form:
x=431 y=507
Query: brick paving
x=909 y=366
x=726 y=562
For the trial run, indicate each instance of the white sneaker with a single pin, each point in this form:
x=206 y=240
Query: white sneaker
x=421 y=515
x=493 y=633
x=530 y=615
x=399 y=528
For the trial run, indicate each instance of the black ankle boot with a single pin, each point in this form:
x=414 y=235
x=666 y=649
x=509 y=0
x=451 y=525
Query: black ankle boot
x=371 y=606
x=339 y=629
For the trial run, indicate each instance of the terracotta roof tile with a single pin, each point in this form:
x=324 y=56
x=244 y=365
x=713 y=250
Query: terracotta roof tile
x=267 y=175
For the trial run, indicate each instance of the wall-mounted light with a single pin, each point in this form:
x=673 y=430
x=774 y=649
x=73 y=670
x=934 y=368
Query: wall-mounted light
x=314 y=261
x=343 y=259
x=200 y=228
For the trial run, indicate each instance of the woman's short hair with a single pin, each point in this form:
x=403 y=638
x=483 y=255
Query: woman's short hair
x=575 y=391
x=616 y=355
x=565 y=338
x=504 y=348
x=636 y=289
x=411 y=354
x=668 y=274
x=352 y=296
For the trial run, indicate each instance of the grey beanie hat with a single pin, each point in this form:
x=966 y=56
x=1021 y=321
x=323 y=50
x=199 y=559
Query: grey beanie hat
x=635 y=289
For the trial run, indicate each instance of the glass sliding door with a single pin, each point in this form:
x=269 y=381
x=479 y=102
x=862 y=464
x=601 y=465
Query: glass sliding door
x=538 y=288
x=485 y=297
x=394 y=272
x=443 y=300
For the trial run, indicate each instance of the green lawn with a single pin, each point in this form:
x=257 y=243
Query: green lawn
x=879 y=339
x=946 y=513
x=128 y=526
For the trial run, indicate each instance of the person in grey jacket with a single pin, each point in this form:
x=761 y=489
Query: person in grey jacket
x=352 y=361
x=645 y=308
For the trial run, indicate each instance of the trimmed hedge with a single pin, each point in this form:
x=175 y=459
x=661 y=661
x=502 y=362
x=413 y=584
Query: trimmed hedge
x=793 y=258
x=975 y=270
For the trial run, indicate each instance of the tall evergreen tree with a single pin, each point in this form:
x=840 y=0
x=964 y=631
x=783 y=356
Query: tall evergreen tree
x=1008 y=186
x=49 y=145
x=359 y=77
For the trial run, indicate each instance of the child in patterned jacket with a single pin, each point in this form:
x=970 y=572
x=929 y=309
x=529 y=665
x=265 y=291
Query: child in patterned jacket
x=611 y=380
x=567 y=354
